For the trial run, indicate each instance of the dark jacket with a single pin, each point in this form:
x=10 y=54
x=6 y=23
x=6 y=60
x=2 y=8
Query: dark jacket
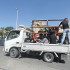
x=65 y=24
x=52 y=37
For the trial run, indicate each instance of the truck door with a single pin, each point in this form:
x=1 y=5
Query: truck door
x=12 y=39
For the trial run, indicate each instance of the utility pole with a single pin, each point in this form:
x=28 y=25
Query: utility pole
x=16 y=18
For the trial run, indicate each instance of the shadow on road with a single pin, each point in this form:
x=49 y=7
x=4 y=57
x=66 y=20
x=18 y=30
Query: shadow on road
x=31 y=56
x=40 y=58
x=25 y=55
x=59 y=60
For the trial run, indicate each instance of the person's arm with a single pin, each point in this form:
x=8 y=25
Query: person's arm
x=60 y=24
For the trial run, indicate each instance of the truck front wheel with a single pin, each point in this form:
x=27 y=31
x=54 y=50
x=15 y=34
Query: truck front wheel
x=14 y=53
x=48 y=57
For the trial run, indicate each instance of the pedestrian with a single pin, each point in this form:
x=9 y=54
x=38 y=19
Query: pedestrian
x=44 y=40
x=65 y=25
x=44 y=36
x=60 y=38
x=52 y=36
x=69 y=32
x=49 y=34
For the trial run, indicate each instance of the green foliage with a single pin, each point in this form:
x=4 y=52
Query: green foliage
x=1 y=33
x=9 y=28
x=2 y=28
x=4 y=31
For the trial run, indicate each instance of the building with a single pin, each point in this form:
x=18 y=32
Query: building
x=37 y=23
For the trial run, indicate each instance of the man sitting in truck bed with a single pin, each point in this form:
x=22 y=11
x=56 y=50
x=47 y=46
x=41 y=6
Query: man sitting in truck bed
x=29 y=40
x=43 y=39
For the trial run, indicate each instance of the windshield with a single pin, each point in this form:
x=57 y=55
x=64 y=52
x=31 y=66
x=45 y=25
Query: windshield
x=13 y=34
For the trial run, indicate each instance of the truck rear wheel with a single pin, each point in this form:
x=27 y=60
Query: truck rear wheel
x=14 y=53
x=48 y=57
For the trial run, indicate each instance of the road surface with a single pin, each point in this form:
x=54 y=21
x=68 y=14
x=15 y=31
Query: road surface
x=29 y=63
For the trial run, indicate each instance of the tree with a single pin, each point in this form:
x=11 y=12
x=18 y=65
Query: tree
x=1 y=33
x=2 y=28
x=4 y=31
x=9 y=28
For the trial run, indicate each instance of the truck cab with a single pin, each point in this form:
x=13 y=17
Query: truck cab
x=15 y=38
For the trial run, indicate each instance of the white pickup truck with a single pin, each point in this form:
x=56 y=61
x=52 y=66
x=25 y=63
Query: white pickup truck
x=15 y=45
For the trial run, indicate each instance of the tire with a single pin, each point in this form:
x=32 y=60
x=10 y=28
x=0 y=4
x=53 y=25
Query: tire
x=14 y=53
x=48 y=57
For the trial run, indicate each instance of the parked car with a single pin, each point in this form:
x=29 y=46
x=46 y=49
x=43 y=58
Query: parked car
x=2 y=40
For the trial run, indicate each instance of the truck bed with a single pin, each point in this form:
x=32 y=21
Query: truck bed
x=46 y=47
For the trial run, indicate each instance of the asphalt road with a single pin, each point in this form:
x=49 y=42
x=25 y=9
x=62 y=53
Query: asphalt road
x=29 y=63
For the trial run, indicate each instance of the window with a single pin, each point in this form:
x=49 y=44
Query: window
x=28 y=37
x=13 y=34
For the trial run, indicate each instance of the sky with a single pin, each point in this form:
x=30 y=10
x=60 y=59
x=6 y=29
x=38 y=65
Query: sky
x=29 y=10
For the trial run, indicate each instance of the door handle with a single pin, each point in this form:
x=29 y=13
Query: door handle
x=17 y=42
